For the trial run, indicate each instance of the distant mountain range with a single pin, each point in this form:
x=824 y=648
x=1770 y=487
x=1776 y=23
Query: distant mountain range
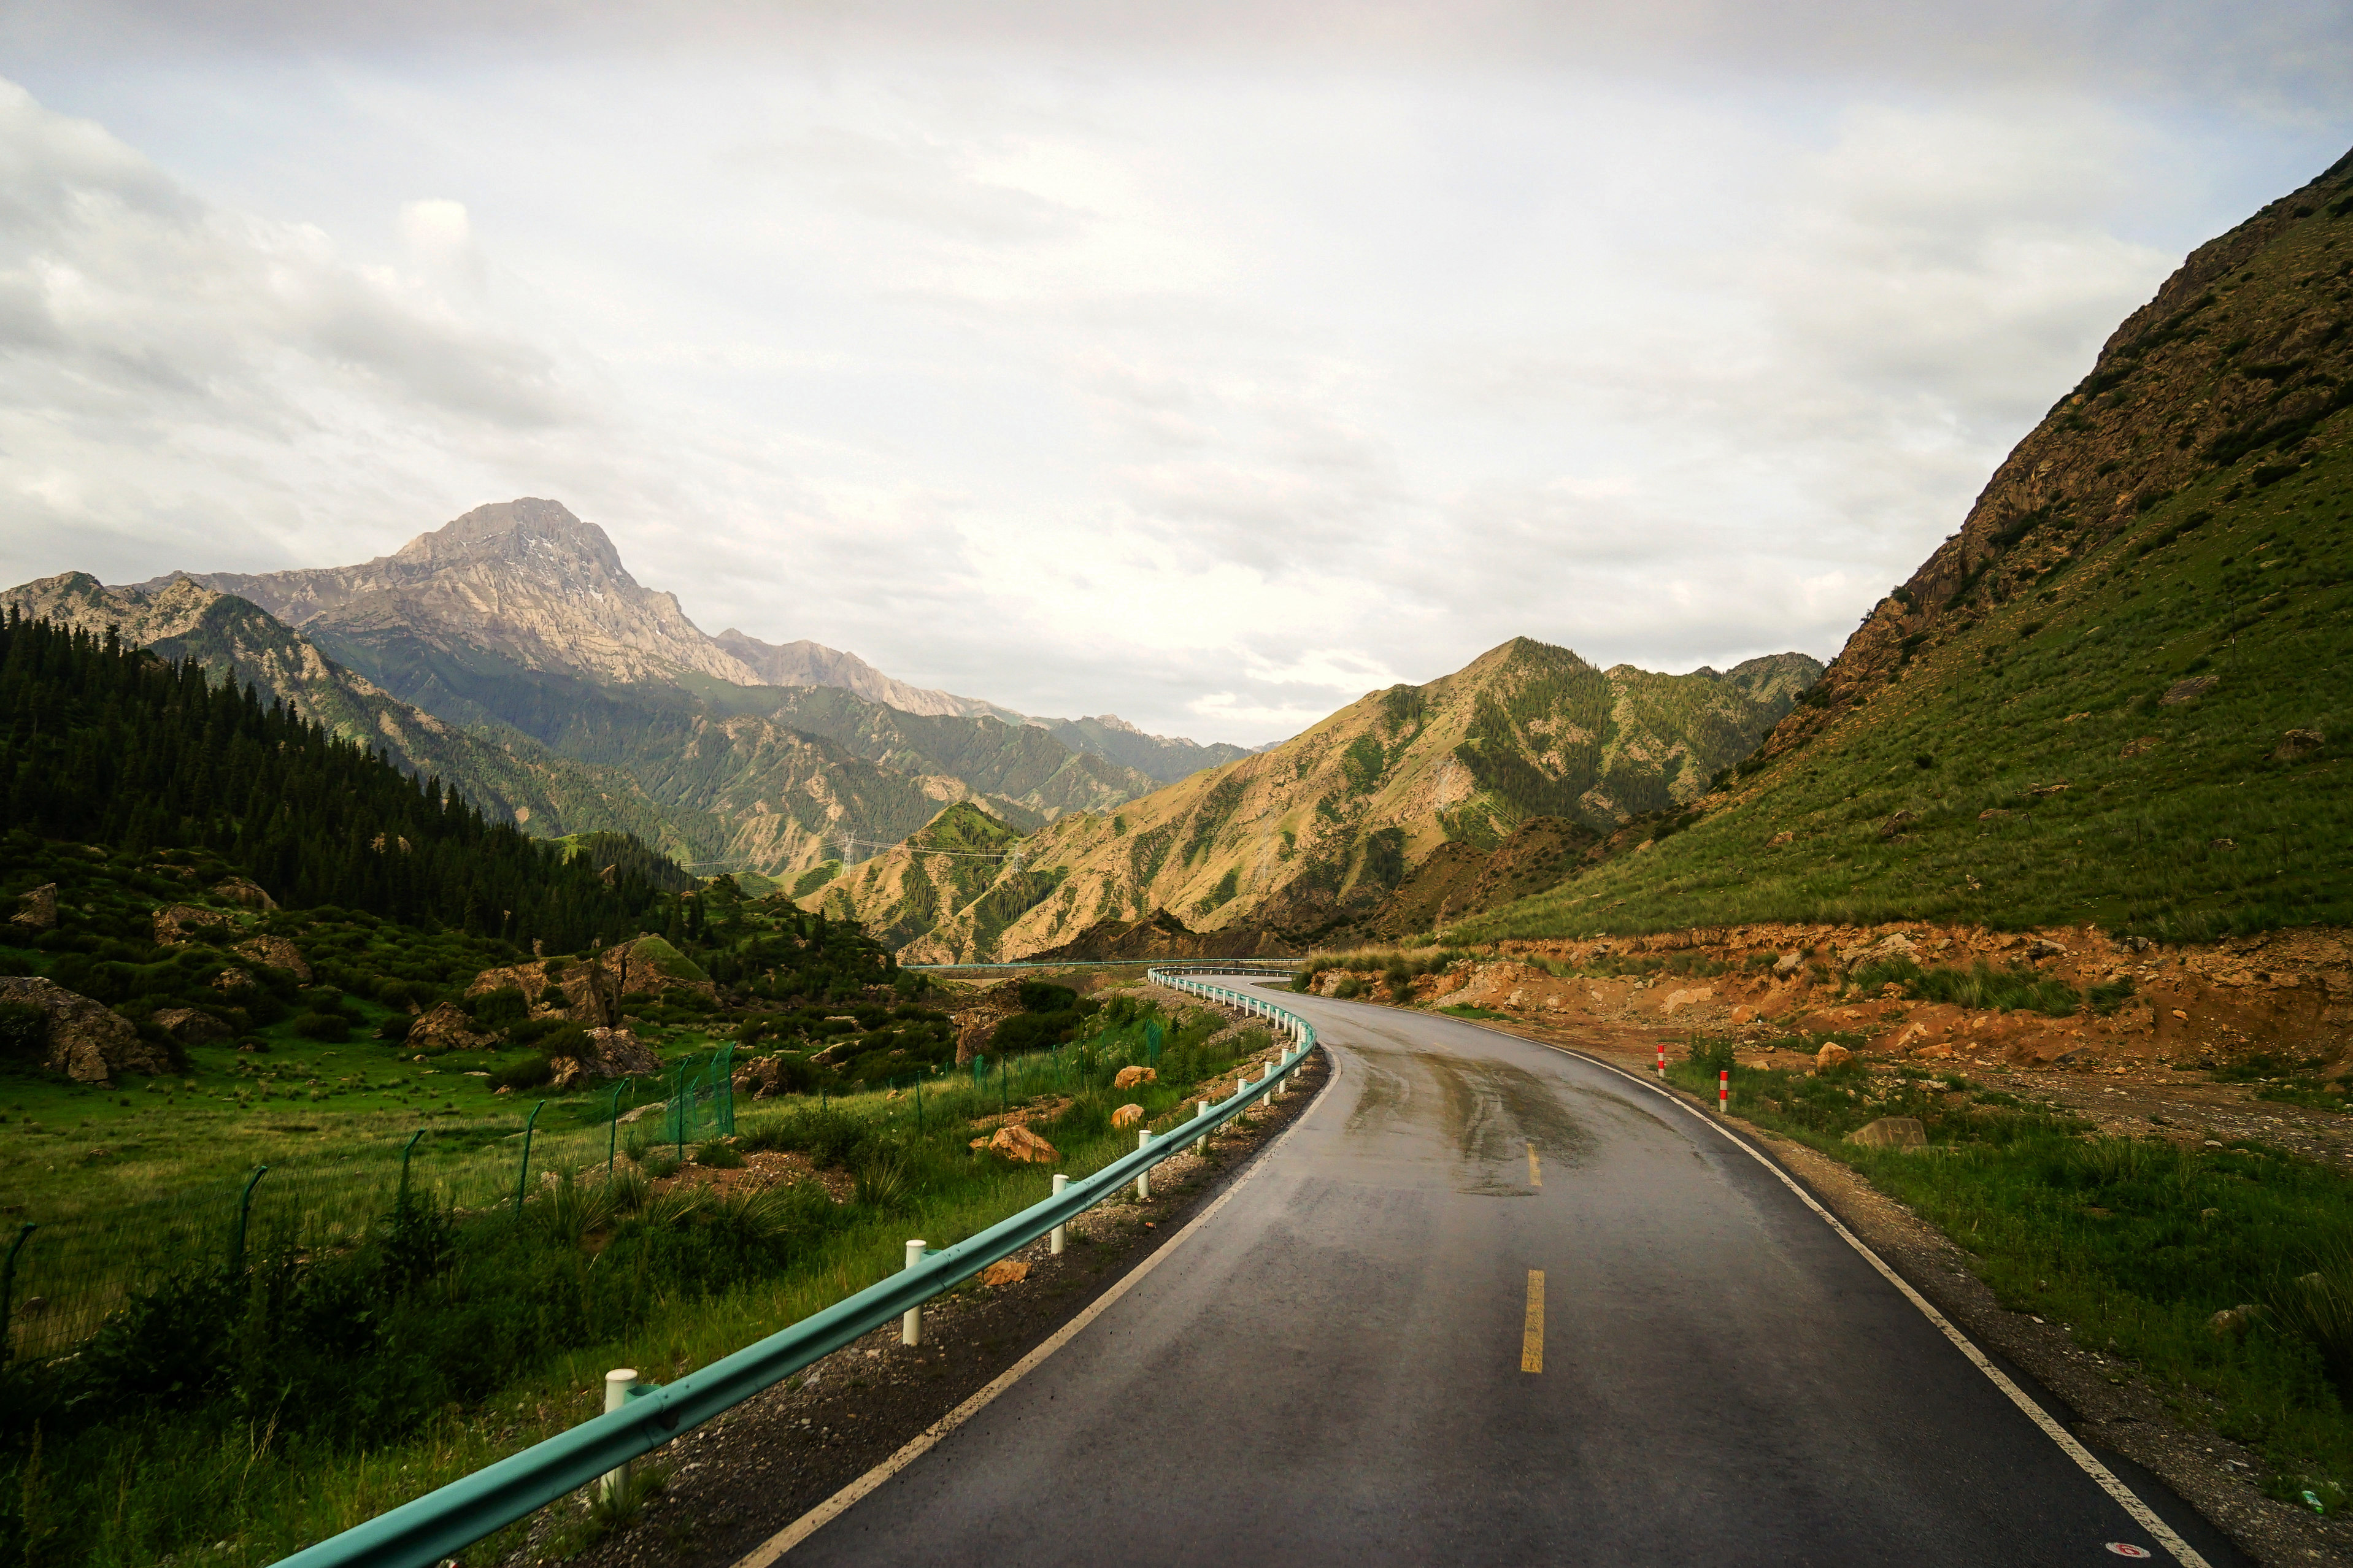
x=512 y=654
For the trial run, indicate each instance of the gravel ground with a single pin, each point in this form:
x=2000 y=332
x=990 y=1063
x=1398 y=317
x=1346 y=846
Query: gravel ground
x=737 y=1481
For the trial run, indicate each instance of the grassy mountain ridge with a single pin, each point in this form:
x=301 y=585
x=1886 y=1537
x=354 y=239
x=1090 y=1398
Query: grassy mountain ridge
x=1320 y=829
x=2120 y=692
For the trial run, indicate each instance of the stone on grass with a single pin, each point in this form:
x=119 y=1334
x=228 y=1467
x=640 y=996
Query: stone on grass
x=36 y=910
x=1891 y=1132
x=188 y=1026
x=277 y=952
x=447 y=1029
x=2297 y=743
x=1127 y=1116
x=176 y=924
x=1830 y=1055
x=1019 y=1143
x=1128 y=1078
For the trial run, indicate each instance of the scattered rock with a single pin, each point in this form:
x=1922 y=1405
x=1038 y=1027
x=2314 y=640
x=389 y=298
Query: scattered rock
x=566 y=1073
x=447 y=1029
x=1006 y=1271
x=188 y=1026
x=1895 y=825
x=231 y=979
x=2135 y=748
x=2190 y=690
x=36 y=910
x=2042 y=948
x=1018 y=1142
x=2297 y=743
x=2039 y=790
x=1784 y=837
x=1891 y=1132
x=1744 y=1014
x=244 y=894
x=1991 y=811
x=1129 y=1077
x=176 y=924
x=85 y=1041
x=276 y=952
x=1830 y=1055
x=2232 y=1321
x=1787 y=965
x=617 y=1053
x=2222 y=844
x=1127 y=1115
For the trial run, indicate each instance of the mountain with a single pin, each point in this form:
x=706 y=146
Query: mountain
x=508 y=776
x=1319 y=831
x=1156 y=756
x=2118 y=694
x=806 y=663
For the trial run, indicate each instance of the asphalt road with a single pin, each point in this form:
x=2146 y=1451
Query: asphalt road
x=1354 y=1361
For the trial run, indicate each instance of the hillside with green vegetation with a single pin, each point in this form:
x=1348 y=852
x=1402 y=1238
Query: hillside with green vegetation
x=2120 y=695
x=1315 y=833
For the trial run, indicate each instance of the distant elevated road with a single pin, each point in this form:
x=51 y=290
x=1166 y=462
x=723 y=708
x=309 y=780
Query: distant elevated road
x=1489 y=1302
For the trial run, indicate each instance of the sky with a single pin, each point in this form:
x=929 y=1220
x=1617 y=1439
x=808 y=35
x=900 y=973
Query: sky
x=1209 y=364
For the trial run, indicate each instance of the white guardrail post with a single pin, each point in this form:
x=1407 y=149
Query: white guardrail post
x=910 y=1324
x=617 y=1383
x=1061 y=1233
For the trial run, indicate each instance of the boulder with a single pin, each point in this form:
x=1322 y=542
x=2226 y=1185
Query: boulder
x=176 y=924
x=1893 y=826
x=85 y=1041
x=1895 y=944
x=36 y=910
x=447 y=1029
x=276 y=952
x=1018 y=1142
x=1006 y=1271
x=231 y=979
x=975 y=1022
x=564 y=1073
x=1128 y=1078
x=1784 y=837
x=2297 y=743
x=244 y=894
x=1891 y=1132
x=1787 y=965
x=617 y=1053
x=2231 y=1322
x=1830 y=1055
x=2190 y=690
x=188 y=1026
x=1127 y=1116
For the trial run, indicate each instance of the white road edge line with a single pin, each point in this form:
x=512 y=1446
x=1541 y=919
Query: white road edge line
x=2145 y=1517
x=840 y=1502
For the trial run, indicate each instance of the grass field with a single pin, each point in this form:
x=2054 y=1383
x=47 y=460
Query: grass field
x=338 y=1375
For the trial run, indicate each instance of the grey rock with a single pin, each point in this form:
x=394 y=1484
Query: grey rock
x=87 y=1041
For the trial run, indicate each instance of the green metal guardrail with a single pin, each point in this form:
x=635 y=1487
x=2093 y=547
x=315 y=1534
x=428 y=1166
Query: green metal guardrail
x=442 y=1523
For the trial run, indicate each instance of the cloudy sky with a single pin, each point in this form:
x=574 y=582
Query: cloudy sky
x=1211 y=364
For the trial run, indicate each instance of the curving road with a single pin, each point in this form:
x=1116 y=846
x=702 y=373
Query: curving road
x=1489 y=1302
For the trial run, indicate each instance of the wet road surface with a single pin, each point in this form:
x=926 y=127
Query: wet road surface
x=1489 y=1302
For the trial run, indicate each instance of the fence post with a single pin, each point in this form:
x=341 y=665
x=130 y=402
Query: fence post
x=617 y=1383
x=244 y=1207
x=1054 y=1245
x=613 y=1127
x=910 y=1325
x=407 y=1149
x=1144 y=1177
x=8 y=1277
x=525 y=1170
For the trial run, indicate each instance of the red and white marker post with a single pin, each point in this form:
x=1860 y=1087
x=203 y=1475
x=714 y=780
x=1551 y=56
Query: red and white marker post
x=1663 y=1059
x=1723 y=1091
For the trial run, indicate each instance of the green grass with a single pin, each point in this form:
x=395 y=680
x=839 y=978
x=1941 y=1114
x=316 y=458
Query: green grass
x=268 y=1459
x=2133 y=1243
x=1464 y=1010
x=2202 y=834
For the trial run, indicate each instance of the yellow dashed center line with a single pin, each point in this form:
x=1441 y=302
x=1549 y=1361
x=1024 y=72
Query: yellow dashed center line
x=1535 y=1171
x=1532 y=1332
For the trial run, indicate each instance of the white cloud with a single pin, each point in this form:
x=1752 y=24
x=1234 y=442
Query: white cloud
x=1205 y=385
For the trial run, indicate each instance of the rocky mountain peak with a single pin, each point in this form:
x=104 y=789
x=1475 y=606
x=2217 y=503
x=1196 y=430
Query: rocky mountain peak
x=539 y=536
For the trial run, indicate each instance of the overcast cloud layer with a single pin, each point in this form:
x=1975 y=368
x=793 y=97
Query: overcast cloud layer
x=1211 y=366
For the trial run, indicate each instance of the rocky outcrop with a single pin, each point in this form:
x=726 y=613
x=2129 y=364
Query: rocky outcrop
x=588 y=990
x=617 y=1053
x=1019 y=1144
x=190 y=1026
x=276 y=952
x=84 y=1040
x=244 y=894
x=446 y=1029
x=178 y=924
x=36 y=910
x=1891 y=1132
x=976 y=1020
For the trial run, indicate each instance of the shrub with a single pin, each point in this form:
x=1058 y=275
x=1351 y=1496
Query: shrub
x=528 y=1073
x=24 y=1028
x=656 y=1167
x=718 y=1155
x=326 y=1026
x=394 y=1028
x=502 y=1009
